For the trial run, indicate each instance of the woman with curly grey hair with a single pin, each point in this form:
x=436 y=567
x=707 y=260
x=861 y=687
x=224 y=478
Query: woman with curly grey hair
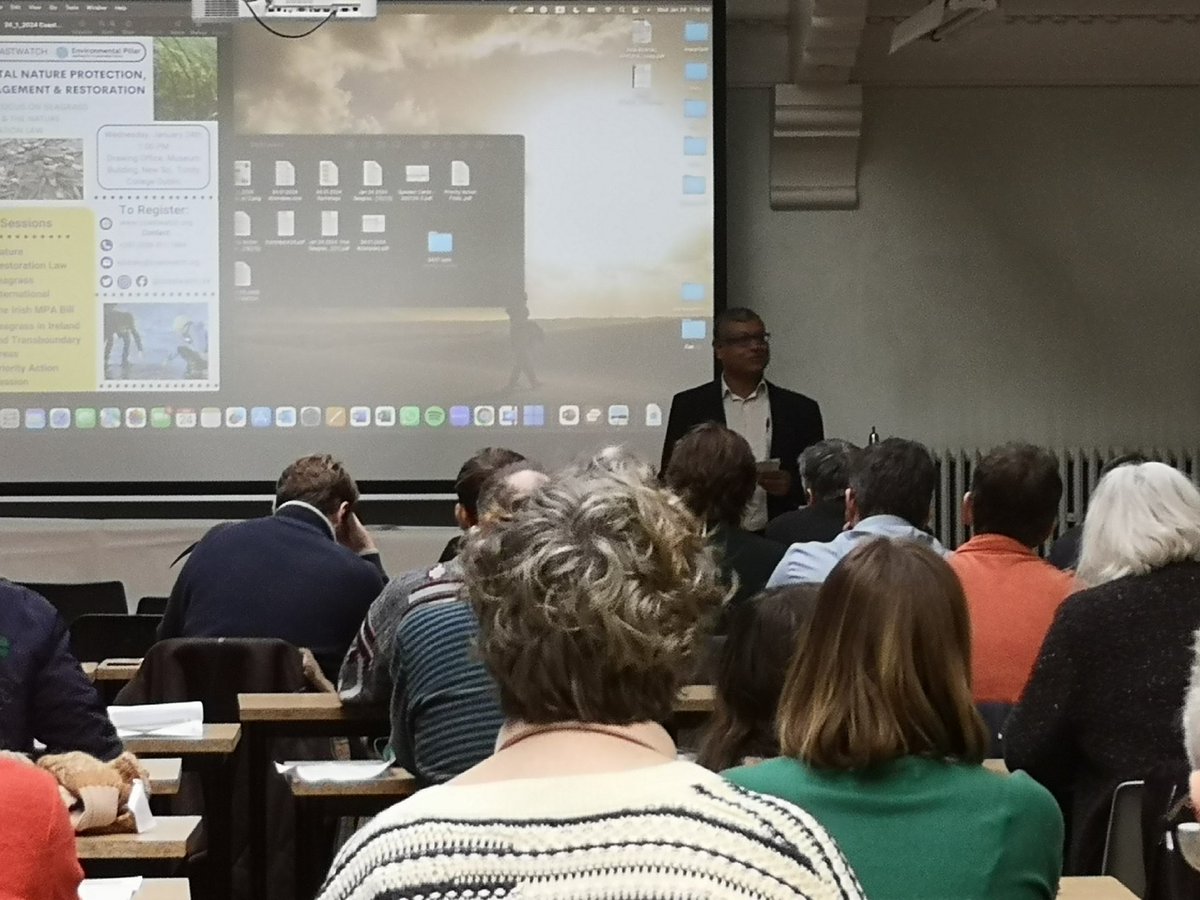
x=590 y=601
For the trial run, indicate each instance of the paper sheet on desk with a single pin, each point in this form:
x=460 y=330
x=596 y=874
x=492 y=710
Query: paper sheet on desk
x=109 y=888
x=347 y=771
x=159 y=719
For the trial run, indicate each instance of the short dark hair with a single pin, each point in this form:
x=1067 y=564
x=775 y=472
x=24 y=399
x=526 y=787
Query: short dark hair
x=319 y=480
x=825 y=468
x=1134 y=458
x=1015 y=491
x=712 y=470
x=478 y=469
x=732 y=314
x=895 y=477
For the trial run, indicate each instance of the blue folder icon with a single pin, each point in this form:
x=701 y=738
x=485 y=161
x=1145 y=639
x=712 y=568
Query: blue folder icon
x=692 y=292
x=693 y=184
x=441 y=242
x=695 y=109
x=695 y=146
x=697 y=71
x=694 y=329
x=695 y=31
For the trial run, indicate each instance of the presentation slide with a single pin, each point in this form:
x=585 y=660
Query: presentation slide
x=399 y=240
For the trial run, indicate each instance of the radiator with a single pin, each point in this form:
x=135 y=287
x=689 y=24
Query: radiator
x=1080 y=470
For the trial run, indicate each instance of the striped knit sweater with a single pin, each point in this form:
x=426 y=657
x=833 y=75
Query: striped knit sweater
x=669 y=832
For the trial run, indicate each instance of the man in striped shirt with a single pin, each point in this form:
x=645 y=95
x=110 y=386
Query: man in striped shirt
x=414 y=651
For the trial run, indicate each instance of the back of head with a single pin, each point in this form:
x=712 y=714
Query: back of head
x=760 y=642
x=477 y=470
x=825 y=468
x=507 y=488
x=318 y=480
x=712 y=469
x=610 y=578
x=884 y=667
x=895 y=477
x=1142 y=516
x=1015 y=491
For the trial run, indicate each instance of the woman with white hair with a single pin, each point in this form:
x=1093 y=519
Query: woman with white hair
x=1102 y=705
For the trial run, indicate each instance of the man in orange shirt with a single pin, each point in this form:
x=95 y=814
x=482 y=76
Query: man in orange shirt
x=1012 y=593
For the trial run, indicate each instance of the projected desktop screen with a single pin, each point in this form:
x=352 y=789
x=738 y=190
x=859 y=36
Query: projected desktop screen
x=398 y=241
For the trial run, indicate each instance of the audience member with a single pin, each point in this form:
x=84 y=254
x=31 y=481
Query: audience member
x=365 y=677
x=777 y=423
x=824 y=476
x=305 y=575
x=474 y=472
x=712 y=469
x=1064 y=552
x=1011 y=593
x=1102 y=704
x=750 y=669
x=44 y=695
x=890 y=495
x=415 y=651
x=37 y=854
x=883 y=745
x=590 y=601
x=1191 y=726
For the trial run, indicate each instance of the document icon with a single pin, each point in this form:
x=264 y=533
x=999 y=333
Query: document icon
x=695 y=32
x=694 y=329
x=285 y=173
x=693 y=184
x=416 y=173
x=241 y=172
x=327 y=173
x=695 y=71
x=241 y=274
x=692 y=292
x=285 y=223
x=695 y=109
x=241 y=223
x=441 y=242
x=329 y=223
x=374 y=223
x=643 y=76
x=642 y=32
x=372 y=173
x=695 y=146
x=460 y=174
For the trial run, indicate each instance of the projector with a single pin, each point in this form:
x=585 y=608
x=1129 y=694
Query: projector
x=230 y=10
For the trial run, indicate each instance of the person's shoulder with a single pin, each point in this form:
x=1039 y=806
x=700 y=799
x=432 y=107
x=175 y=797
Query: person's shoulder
x=1030 y=804
x=20 y=605
x=27 y=787
x=794 y=398
x=766 y=775
x=695 y=394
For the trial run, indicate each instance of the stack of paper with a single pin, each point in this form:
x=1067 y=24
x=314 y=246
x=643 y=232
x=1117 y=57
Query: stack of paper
x=109 y=888
x=347 y=771
x=159 y=719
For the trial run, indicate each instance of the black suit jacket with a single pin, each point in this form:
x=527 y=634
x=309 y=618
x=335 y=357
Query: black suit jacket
x=795 y=424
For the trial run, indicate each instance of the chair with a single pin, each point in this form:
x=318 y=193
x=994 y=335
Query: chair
x=75 y=600
x=151 y=606
x=99 y=636
x=1124 y=859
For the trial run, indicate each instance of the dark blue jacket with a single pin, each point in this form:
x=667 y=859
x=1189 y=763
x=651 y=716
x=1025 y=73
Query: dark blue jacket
x=283 y=576
x=44 y=694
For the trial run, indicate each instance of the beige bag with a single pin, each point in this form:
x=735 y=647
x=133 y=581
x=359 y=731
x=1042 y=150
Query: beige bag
x=96 y=793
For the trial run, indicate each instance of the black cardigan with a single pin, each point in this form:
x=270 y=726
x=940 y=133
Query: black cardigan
x=1103 y=703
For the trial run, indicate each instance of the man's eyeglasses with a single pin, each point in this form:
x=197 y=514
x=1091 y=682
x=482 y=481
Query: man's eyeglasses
x=747 y=340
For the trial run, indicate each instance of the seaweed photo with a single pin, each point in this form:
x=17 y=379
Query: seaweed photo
x=185 y=79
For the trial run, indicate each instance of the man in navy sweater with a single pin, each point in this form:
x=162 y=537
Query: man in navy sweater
x=306 y=574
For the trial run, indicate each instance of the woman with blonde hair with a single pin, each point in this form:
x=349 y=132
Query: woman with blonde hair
x=1103 y=703
x=881 y=742
x=591 y=600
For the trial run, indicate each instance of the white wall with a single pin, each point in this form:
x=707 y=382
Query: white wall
x=1025 y=263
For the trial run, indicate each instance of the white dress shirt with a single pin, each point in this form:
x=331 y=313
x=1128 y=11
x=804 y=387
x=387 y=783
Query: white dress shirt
x=751 y=418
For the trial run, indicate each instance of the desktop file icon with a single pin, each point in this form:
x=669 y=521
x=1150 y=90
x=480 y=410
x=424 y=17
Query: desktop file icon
x=695 y=109
x=695 y=32
x=695 y=71
x=694 y=184
x=692 y=292
x=694 y=329
x=441 y=242
x=695 y=146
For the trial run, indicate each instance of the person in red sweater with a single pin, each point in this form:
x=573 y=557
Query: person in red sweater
x=1012 y=593
x=37 y=849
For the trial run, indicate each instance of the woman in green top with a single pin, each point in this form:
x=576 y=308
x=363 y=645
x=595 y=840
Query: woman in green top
x=881 y=743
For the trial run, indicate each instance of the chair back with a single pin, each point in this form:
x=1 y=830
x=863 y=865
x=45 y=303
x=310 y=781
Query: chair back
x=151 y=606
x=99 y=636
x=75 y=600
x=1124 y=858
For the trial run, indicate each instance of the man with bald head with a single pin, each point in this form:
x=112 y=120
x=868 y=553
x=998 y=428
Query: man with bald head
x=414 y=650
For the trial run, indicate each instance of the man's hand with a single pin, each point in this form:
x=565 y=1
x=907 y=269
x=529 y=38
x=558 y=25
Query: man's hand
x=352 y=535
x=776 y=482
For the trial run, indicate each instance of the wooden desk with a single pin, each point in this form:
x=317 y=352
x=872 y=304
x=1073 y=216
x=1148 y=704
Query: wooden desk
x=392 y=785
x=695 y=698
x=162 y=889
x=114 y=670
x=221 y=739
x=1093 y=889
x=164 y=775
x=307 y=709
x=172 y=837
x=89 y=670
x=995 y=765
